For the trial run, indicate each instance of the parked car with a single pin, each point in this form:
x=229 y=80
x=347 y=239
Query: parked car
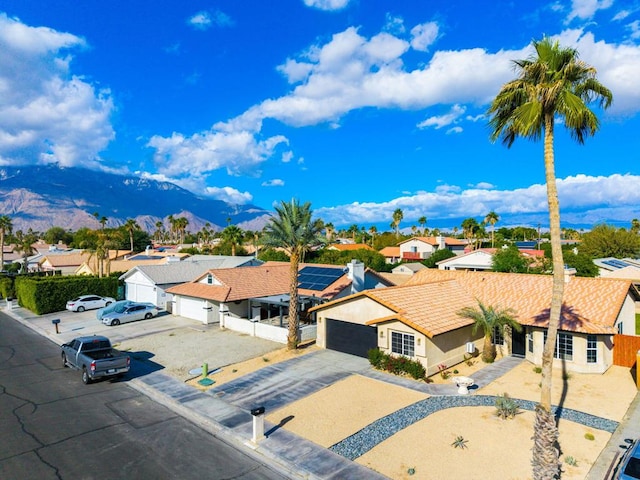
x=131 y=313
x=114 y=307
x=94 y=357
x=88 y=302
x=629 y=466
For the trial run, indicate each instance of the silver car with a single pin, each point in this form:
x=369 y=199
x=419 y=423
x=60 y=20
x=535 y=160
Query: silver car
x=88 y=302
x=130 y=313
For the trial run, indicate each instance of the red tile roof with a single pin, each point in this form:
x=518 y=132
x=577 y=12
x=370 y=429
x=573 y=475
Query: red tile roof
x=590 y=305
x=344 y=247
x=430 y=300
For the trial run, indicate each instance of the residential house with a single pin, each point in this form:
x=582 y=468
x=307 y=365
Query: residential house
x=391 y=254
x=421 y=248
x=420 y=318
x=127 y=261
x=255 y=300
x=408 y=268
x=482 y=259
x=68 y=262
x=607 y=265
x=147 y=282
x=348 y=247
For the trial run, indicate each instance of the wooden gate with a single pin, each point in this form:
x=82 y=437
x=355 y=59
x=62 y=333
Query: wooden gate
x=625 y=350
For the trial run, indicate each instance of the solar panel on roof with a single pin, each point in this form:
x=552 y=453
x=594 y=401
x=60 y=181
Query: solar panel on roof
x=318 y=278
x=615 y=263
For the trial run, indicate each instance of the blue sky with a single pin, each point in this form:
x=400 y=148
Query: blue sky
x=357 y=106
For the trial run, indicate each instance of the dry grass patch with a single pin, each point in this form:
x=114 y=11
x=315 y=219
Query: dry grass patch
x=340 y=410
x=495 y=448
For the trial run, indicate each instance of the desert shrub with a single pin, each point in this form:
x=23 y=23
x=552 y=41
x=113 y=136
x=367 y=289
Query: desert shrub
x=589 y=436
x=569 y=460
x=537 y=369
x=396 y=365
x=460 y=442
x=506 y=407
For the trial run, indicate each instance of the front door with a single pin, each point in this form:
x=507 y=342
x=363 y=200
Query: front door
x=518 y=341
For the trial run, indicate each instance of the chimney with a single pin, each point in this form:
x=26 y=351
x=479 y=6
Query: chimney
x=569 y=273
x=355 y=273
x=147 y=250
x=441 y=243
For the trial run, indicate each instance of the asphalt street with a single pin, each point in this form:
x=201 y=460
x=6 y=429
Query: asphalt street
x=54 y=427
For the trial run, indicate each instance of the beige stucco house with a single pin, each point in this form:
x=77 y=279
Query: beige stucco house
x=421 y=248
x=420 y=318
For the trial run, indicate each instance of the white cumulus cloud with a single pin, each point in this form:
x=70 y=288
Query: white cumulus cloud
x=276 y=182
x=327 y=4
x=47 y=114
x=614 y=197
x=586 y=9
x=229 y=195
x=200 y=21
x=424 y=35
x=440 y=121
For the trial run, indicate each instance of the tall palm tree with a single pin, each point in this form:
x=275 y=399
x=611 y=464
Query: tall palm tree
x=329 y=230
x=353 y=229
x=294 y=229
x=492 y=218
x=158 y=233
x=373 y=230
x=551 y=83
x=131 y=226
x=422 y=221
x=488 y=318
x=5 y=229
x=470 y=228
x=397 y=218
x=181 y=226
x=24 y=245
x=234 y=236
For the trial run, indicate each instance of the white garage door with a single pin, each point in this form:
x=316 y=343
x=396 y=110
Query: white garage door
x=137 y=292
x=193 y=308
x=145 y=293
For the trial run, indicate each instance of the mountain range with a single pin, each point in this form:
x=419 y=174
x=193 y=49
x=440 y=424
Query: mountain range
x=44 y=196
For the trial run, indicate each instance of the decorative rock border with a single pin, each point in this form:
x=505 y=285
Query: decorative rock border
x=366 y=439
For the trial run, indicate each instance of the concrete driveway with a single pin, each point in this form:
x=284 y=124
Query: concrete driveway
x=74 y=324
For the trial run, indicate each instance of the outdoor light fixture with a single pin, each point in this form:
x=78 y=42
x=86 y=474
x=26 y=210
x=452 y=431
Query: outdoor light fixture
x=381 y=333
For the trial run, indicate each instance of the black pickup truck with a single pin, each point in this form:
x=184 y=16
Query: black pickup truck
x=95 y=357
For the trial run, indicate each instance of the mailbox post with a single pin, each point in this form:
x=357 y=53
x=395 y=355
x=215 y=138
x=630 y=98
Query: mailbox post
x=258 y=424
x=56 y=321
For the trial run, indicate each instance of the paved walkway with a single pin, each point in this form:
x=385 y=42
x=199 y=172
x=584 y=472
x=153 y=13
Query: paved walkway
x=225 y=410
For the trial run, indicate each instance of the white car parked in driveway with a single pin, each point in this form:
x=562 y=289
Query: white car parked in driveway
x=88 y=302
x=130 y=313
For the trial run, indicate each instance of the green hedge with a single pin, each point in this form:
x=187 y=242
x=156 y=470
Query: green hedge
x=6 y=287
x=50 y=294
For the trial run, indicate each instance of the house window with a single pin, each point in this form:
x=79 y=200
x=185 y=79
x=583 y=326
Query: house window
x=620 y=328
x=564 y=346
x=209 y=279
x=497 y=336
x=530 y=341
x=592 y=349
x=403 y=344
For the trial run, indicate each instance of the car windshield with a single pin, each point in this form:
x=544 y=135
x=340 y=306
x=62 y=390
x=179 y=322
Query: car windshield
x=633 y=468
x=120 y=308
x=75 y=299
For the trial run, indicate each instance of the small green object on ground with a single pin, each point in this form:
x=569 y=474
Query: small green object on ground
x=205 y=382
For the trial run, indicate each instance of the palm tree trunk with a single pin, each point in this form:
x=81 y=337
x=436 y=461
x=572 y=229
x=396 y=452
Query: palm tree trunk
x=292 y=337
x=2 y=249
x=545 y=462
x=488 y=355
